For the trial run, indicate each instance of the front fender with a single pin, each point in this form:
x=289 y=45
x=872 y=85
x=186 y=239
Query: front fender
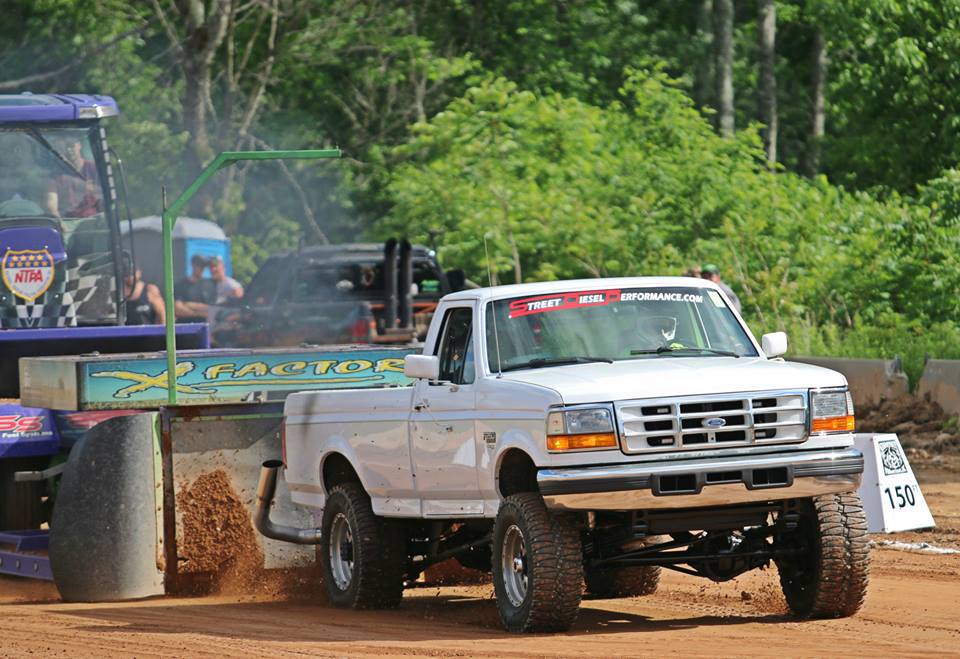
x=513 y=439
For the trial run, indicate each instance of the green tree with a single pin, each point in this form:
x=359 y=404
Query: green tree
x=893 y=104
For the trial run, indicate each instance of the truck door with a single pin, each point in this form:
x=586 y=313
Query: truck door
x=442 y=427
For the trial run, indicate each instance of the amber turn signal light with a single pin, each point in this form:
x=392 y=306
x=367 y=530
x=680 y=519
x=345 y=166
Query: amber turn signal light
x=581 y=442
x=834 y=424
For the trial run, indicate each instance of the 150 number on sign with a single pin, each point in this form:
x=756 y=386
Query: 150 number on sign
x=904 y=496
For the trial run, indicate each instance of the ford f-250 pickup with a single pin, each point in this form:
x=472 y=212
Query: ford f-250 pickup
x=583 y=432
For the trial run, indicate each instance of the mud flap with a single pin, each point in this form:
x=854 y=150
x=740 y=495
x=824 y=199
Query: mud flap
x=104 y=540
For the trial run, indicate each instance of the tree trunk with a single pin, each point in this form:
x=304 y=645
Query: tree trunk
x=196 y=91
x=703 y=83
x=820 y=62
x=723 y=47
x=767 y=15
x=204 y=28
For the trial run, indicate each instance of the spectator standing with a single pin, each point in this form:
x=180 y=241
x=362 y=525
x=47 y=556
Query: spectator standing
x=711 y=272
x=227 y=287
x=144 y=303
x=195 y=293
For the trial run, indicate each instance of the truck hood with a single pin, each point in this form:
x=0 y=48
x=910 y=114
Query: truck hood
x=663 y=377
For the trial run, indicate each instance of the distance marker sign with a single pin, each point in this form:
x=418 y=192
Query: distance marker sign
x=891 y=495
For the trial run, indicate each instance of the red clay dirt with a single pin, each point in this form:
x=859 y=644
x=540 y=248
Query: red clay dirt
x=218 y=552
x=930 y=437
x=913 y=608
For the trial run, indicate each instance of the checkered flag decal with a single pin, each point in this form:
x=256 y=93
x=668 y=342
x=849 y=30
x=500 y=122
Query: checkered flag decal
x=91 y=287
x=55 y=308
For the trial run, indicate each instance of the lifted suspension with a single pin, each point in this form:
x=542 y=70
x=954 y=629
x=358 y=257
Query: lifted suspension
x=718 y=554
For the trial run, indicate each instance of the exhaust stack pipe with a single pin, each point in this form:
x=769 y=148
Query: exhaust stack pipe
x=405 y=284
x=266 y=489
x=390 y=284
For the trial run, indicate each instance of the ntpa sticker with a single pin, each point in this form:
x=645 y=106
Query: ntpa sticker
x=27 y=272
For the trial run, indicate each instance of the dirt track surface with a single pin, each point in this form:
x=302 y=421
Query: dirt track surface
x=913 y=607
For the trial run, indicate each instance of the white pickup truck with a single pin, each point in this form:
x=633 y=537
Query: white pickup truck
x=583 y=432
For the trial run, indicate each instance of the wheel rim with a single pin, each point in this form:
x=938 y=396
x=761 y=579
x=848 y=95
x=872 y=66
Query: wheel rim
x=513 y=565
x=341 y=551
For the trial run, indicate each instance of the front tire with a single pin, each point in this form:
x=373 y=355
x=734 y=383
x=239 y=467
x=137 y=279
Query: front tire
x=828 y=579
x=362 y=554
x=537 y=566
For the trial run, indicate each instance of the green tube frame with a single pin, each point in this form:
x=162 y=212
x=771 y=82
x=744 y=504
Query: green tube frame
x=170 y=218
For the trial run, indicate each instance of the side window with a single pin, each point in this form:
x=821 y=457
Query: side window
x=456 y=347
x=267 y=282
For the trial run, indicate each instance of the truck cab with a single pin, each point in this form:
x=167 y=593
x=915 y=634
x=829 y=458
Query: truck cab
x=59 y=235
x=346 y=293
x=61 y=248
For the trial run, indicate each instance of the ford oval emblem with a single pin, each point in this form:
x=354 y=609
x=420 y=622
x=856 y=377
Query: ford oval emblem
x=715 y=422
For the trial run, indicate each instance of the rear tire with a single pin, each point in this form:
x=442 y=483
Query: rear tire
x=21 y=504
x=537 y=566
x=634 y=581
x=829 y=578
x=363 y=555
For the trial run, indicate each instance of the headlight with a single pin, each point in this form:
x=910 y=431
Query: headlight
x=581 y=429
x=831 y=411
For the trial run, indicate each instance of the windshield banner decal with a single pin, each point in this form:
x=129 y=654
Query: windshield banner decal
x=558 y=301
x=579 y=299
x=661 y=296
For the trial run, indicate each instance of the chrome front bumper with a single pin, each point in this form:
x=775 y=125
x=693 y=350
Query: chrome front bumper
x=789 y=474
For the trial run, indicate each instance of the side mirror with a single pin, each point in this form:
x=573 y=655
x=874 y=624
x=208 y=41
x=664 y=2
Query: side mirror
x=422 y=367
x=774 y=344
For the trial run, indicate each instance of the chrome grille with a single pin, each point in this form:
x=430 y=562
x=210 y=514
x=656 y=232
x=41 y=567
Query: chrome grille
x=702 y=422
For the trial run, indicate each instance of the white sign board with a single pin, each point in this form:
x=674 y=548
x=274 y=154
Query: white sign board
x=891 y=496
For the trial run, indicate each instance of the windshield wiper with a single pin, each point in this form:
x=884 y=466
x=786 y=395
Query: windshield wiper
x=668 y=349
x=73 y=171
x=540 y=362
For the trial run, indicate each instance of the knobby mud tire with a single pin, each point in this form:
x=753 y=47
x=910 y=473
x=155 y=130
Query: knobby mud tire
x=554 y=566
x=830 y=579
x=378 y=552
x=634 y=581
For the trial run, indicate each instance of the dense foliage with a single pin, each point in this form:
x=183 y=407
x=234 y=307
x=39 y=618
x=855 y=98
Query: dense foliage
x=565 y=139
x=550 y=187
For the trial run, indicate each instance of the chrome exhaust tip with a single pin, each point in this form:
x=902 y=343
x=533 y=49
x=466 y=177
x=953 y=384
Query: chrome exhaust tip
x=266 y=489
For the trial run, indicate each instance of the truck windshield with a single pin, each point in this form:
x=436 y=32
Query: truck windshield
x=48 y=171
x=611 y=325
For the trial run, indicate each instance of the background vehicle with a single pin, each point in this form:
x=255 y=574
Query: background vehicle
x=591 y=430
x=350 y=293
